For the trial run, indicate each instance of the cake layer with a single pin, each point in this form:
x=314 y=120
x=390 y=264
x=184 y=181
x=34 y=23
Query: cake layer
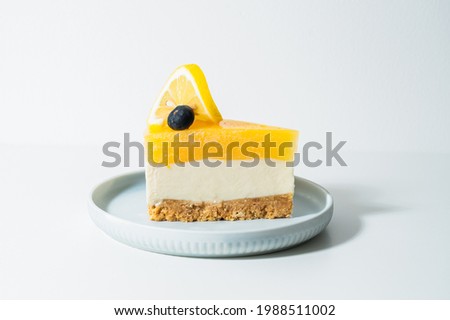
x=227 y=181
x=278 y=206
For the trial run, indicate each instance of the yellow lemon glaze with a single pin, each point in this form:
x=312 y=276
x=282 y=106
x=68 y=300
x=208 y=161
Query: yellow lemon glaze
x=238 y=140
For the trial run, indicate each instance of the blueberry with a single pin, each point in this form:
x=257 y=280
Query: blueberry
x=181 y=118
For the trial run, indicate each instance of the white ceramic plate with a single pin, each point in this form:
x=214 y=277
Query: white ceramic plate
x=118 y=207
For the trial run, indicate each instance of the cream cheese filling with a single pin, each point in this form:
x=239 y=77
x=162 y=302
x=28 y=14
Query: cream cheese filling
x=221 y=183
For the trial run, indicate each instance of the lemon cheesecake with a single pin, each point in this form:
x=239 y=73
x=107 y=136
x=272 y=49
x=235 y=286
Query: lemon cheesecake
x=201 y=167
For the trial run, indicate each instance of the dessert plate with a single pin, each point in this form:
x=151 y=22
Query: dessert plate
x=118 y=207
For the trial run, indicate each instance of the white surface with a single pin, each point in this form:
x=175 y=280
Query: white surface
x=388 y=237
x=118 y=207
x=222 y=182
x=376 y=73
x=357 y=68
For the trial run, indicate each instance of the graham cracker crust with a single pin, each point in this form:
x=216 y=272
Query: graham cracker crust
x=271 y=207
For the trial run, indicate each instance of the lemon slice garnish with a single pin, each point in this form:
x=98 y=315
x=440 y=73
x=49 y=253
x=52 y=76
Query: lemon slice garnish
x=186 y=86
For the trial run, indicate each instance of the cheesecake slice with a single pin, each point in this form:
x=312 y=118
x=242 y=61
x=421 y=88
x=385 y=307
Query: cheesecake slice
x=202 y=168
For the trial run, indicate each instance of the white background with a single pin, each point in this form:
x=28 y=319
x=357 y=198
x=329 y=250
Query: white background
x=76 y=74
x=374 y=72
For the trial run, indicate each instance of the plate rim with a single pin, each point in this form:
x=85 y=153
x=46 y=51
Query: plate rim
x=98 y=211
